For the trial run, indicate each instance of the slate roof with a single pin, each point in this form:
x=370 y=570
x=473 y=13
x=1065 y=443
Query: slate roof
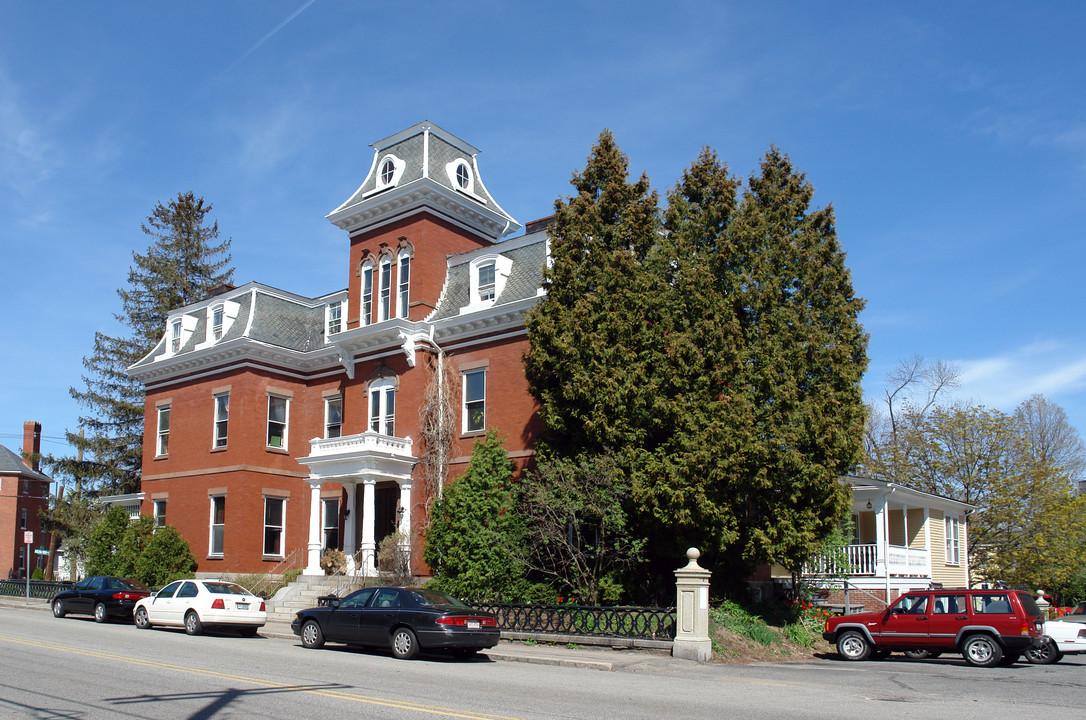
x=10 y=462
x=529 y=257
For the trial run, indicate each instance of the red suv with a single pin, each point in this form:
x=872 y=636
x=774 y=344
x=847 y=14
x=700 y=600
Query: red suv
x=988 y=627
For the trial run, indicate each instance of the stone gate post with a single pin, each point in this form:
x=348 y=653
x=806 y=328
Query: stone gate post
x=692 y=611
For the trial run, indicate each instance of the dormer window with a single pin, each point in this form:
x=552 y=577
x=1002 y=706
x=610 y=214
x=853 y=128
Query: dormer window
x=335 y=317
x=216 y=322
x=175 y=336
x=389 y=171
x=462 y=177
x=486 y=281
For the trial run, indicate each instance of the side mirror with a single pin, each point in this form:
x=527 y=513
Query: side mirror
x=334 y=602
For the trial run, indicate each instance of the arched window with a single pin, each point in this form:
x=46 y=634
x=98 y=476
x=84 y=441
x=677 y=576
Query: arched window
x=383 y=406
x=384 y=301
x=367 y=293
x=403 y=292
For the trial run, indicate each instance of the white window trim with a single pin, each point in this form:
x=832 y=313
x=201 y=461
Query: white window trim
x=328 y=309
x=450 y=170
x=155 y=504
x=384 y=288
x=211 y=528
x=159 y=434
x=383 y=388
x=327 y=405
x=464 y=424
x=215 y=445
x=952 y=528
x=365 y=310
x=285 y=423
x=502 y=267
x=324 y=521
x=282 y=527
x=402 y=303
x=398 y=166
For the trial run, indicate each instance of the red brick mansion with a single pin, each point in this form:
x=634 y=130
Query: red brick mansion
x=278 y=426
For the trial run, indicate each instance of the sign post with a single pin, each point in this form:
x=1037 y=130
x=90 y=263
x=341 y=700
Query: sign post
x=28 y=538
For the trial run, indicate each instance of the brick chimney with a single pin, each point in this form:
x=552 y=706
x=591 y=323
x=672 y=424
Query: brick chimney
x=31 y=443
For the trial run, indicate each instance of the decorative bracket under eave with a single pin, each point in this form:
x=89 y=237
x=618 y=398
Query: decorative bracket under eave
x=347 y=361
x=409 y=344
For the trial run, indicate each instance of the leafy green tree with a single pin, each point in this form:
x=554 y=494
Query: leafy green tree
x=184 y=262
x=69 y=519
x=166 y=557
x=134 y=543
x=579 y=534
x=475 y=540
x=104 y=542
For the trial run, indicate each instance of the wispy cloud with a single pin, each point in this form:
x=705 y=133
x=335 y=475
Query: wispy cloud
x=26 y=156
x=1054 y=369
x=267 y=37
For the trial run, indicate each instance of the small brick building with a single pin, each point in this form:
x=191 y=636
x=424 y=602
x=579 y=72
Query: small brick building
x=24 y=490
x=278 y=426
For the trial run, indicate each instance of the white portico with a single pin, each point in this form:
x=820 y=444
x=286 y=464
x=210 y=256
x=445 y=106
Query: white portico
x=353 y=460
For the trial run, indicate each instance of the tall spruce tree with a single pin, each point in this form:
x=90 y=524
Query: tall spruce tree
x=717 y=355
x=183 y=263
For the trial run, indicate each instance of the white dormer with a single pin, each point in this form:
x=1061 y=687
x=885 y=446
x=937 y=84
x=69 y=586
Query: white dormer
x=178 y=331
x=220 y=316
x=389 y=171
x=486 y=278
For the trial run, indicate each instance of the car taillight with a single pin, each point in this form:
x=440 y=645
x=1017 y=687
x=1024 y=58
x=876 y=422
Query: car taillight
x=1025 y=628
x=128 y=596
x=262 y=608
x=218 y=604
x=462 y=620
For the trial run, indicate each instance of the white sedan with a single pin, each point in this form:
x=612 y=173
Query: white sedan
x=1065 y=637
x=198 y=604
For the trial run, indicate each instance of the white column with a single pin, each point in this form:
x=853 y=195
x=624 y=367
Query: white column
x=369 y=547
x=350 y=521
x=313 y=565
x=405 y=518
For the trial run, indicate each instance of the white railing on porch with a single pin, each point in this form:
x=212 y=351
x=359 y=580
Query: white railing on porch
x=352 y=444
x=863 y=560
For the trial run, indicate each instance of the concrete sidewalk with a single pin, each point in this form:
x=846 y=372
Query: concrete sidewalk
x=539 y=653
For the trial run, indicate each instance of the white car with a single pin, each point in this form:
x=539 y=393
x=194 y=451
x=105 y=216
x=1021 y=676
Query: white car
x=1065 y=637
x=198 y=604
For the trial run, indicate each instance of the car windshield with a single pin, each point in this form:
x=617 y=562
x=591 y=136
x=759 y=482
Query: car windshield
x=428 y=598
x=1079 y=609
x=225 y=588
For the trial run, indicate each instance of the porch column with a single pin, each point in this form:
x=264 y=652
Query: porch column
x=404 y=527
x=369 y=547
x=313 y=564
x=350 y=521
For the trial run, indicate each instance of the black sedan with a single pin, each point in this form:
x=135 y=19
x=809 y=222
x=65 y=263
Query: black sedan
x=102 y=596
x=405 y=619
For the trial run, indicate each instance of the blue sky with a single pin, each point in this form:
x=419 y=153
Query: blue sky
x=950 y=137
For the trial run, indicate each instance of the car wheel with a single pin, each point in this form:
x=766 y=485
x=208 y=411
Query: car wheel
x=312 y=637
x=852 y=645
x=982 y=651
x=100 y=615
x=141 y=619
x=1044 y=654
x=404 y=644
x=193 y=626
x=58 y=609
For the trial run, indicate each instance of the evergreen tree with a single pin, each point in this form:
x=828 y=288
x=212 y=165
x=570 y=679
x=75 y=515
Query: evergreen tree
x=716 y=356
x=475 y=540
x=184 y=261
x=104 y=542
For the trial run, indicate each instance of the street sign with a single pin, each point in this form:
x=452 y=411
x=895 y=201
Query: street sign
x=40 y=551
x=28 y=536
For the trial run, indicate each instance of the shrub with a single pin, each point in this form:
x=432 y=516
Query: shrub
x=165 y=558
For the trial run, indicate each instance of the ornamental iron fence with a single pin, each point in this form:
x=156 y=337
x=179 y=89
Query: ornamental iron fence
x=38 y=588
x=645 y=623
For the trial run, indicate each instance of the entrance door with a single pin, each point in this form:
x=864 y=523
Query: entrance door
x=386 y=502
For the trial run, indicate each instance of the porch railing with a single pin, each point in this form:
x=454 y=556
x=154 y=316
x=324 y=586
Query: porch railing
x=863 y=560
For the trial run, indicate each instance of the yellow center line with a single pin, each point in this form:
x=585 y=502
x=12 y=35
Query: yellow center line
x=338 y=694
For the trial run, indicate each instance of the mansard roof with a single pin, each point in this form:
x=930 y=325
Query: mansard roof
x=11 y=463
x=423 y=163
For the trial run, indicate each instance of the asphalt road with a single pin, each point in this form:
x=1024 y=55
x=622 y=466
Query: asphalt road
x=74 y=668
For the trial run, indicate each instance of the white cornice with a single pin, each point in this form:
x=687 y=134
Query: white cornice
x=391 y=204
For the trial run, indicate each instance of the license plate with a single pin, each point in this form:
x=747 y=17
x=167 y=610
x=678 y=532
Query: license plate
x=242 y=606
x=474 y=624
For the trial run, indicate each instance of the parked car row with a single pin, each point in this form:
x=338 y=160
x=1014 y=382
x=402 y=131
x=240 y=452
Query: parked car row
x=407 y=620
x=192 y=604
x=986 y=627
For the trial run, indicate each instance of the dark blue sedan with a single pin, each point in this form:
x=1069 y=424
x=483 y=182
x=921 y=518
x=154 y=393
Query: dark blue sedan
x=102 y=596
x=406 y=620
